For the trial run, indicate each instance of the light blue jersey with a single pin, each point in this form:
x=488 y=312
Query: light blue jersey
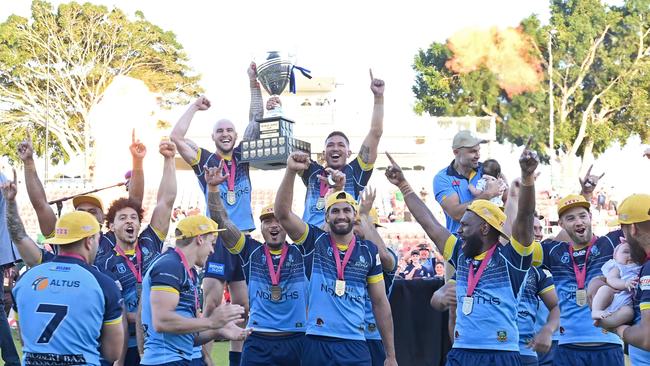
x=328 y=314
x=576 y=325
x=62 y=306
x=167 y=273
x=357 y=174
x=492 y=322
x=448 y=182
x=538 y=281
x=371 y=331
x=288 y=314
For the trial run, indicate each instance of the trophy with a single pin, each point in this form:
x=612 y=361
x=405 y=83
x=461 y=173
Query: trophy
x=275 y=142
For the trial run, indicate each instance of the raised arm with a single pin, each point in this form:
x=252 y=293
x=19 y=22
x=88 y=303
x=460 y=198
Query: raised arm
x=256 y=110
x=136 y=183
x=588 y=184
x=368 y=151
x=186 y=147
x=292 y=224
x=522 y=227
x=215 y=176
x=370 y=232
x=27 y=248
x=35 y=191
x=437 y=232
x=167 y=189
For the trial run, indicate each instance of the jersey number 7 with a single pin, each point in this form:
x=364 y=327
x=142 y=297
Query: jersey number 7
x=59 y=311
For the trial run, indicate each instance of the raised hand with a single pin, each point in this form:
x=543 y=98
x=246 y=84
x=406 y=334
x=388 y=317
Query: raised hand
x=225 y=314
x=590 y=181
x=394 y=172
x=298 y=161
x=646 y=153
x=376 y=85
x=252 y=71
x=9 y=188
x=273 y=102
x=367 y=199
x=167 y=148
x=216 y=175
x=528 y=161
x=26 y=149
x=137 y=148
x=202 y=103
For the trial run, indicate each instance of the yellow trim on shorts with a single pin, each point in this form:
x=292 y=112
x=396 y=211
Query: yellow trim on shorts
x=449 y=246
x=165 y=289
x=519 y=248
x=117 y=320
x=547 y=289
x=239 y=246
x=197 y=158
x=644 y=306
x=365 y=167
x=303 y=237
x=375 y=278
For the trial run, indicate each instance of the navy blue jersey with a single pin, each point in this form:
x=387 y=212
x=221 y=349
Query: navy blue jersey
x=357 y=173
x=538 y=281
x=328 y=314
x=240 y=213
x=576 y=325
x=371 y=331
x=167 y=273
x=106 y=244
x=289 y=313
x=150 y=244
x=63 y=305
x=492 y=323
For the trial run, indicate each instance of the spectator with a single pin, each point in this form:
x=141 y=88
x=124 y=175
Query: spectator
x=425 y=257
x=415 y=269
x=440 y=270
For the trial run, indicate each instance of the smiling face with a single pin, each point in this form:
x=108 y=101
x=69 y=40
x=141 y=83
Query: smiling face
x=340 y=218
x=274 y=235
x=224 y=136
x=205 y=248
x=577 y=223
x=472 y=230
x=126 y=225
x=468 y=157
x=337 y=151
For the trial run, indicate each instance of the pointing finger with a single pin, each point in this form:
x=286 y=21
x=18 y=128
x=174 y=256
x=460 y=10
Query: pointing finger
x=371 y=77
x=15 y=177
x=133 y=136
x=390 y=158
x=28 y=136
x=601 y=175
x=529 y=142
x=589 y=170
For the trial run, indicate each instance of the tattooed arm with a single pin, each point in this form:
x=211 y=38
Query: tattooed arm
x=27 y=248
x=368 y=151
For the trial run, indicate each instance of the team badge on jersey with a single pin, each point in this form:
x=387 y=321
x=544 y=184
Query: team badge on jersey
x=502 y=336
x=121 y=268
x=565 y=258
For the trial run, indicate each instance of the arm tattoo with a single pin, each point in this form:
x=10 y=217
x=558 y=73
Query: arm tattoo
x=14 y=223
x=218 y=214
x=192 y=145
x=364 y=153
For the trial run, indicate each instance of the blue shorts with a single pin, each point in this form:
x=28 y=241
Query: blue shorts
x=262 y=350
x=173 y=363
x=476 y=357
x=223 y=265
x=528 y=360
x=638 y=357
x=377 y=352
x=546 y=359
x=608 y=354
x=330 y=351
x=132 y=358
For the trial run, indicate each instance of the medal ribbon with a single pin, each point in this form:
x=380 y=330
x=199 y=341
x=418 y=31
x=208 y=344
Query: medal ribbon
x=188 y=269
x=275 y=276
x=340 y=267
x=472 y=280
x=581 y=275
x=324 y=187
x=233 y=172
x=72 y=255
x=137 y=272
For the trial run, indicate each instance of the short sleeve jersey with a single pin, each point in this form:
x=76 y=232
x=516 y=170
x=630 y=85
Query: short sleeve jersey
x=150 y=244
x=538 y=281
x=449 y=182
x=357 y=173
x=240 y=213
x=167 y=273
x=62 y=305
x=576 y=325
x=372 y=331
x=267 y=315
x=492 y=323
x=328 y=314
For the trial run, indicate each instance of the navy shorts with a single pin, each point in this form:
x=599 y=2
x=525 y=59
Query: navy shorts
x=223 y=265
x=608 y=354
x=476 y=357
x=377 y=352
x=262 y=350
x=546 y=359
x=173 y=363
x=197 y=362
x=132 y=358
x=528 y=360
x=329 y=351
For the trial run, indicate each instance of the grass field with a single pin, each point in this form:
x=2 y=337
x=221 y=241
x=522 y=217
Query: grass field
x=219 y=351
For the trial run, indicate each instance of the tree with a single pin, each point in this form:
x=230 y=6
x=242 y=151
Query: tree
x=600 y=73
x=55 y=67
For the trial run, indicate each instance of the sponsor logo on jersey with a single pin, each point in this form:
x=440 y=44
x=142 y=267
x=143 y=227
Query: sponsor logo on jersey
x=40 y=284
x=644 y=283
x=216 y=268
x=60 y=268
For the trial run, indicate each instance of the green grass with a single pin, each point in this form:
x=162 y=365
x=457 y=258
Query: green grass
x=219 y=351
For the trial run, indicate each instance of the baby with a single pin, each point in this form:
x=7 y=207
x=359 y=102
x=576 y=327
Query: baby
x=491 y=172
x=613 y=302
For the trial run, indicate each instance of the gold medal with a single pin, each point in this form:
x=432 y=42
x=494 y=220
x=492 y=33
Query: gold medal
x=468 y=304
x=320 y=204
x=581 y=297
x=276 y=293
x=231 y=198
x=339 y=288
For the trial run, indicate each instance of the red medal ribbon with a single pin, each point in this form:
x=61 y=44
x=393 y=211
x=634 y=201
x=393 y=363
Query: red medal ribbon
x=275 y=276
x=340 y=267
x=233 y=172
x=472 y=280
x=324 y=187
x=137 y=272
x=72 y=255
x=581 y=275
x=188 y=269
